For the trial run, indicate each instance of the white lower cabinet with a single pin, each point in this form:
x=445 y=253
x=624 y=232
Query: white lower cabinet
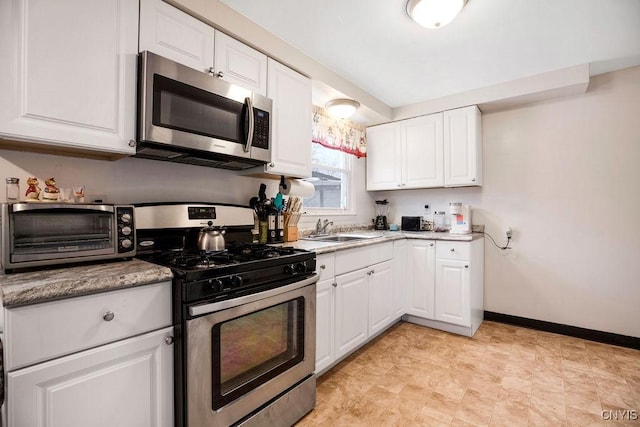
x=351 y=311
x=399 y=278
x=381 y=301
x=127 y=383
x=446 y=285
x=421 y=255
x=104 y=359
x=325 y=311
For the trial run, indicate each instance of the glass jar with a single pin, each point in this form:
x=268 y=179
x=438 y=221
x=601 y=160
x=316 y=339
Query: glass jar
x=439 y=221
x=13 y=189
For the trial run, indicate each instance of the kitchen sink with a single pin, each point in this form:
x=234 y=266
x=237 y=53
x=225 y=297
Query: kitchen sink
x=339 y=238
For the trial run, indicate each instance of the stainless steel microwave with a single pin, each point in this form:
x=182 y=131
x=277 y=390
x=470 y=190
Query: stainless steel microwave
x=187 y=116
x=43 y=234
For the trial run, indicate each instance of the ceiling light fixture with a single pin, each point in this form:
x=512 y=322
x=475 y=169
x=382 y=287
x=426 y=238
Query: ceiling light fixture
x=341 y=108
x=434 y=13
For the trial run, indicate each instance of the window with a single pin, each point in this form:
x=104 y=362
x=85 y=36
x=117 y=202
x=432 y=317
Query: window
x=331 y=176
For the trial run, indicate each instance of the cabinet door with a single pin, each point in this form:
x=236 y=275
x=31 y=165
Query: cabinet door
x=384 y=157
x=128 y=383
x=175 y=35
x=69 y=73
x=399 y=278
x=380 y=296
x=453 y=299
x=351 y=311
x=291 y=122
x=240 y=64
x=462 y=147
x=423 y=152
x=421 y=278
x=324 y=324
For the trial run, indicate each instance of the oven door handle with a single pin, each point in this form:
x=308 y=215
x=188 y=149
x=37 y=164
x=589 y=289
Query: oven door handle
x=198 y=310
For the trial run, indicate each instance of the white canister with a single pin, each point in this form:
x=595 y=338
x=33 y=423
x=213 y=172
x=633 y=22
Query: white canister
x=460 y=218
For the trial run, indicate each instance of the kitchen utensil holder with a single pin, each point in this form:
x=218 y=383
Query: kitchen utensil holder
x=291 y=233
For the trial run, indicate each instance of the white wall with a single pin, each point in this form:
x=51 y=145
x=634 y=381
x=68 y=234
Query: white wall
x=565 y=174
x=134 y=180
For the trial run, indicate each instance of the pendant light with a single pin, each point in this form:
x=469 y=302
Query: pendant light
x=434 y=13
x=341 y=108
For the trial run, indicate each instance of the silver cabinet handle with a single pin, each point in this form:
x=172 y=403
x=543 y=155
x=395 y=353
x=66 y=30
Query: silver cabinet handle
x=466 y=266
x=322 y=267
x=430 y=244
x=452 y=250
x=272 y=165
x=211 y=70
x=473 y=180
x=108 y=316
x=132 y=143
x=335 y=285
x=168 y=340
x=219 y=74
x=373 y=271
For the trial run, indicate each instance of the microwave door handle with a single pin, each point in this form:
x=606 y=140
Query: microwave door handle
x=249 y=140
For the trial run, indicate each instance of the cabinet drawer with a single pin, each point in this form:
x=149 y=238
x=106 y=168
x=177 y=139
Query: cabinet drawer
x=40 y=332
x=453 y=250
x=325 y=266
x=354 y=259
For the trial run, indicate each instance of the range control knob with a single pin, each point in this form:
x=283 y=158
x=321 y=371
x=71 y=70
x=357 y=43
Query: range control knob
x=216 y=285
x=126 y=243
x=126 y=230
x=236 y=281
x=289 y=269
x=301 y=267
x=126 y=217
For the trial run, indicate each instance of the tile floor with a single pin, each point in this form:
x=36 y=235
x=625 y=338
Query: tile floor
x=503 y=376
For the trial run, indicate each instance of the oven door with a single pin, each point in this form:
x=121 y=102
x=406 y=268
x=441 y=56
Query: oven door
x=244 y=352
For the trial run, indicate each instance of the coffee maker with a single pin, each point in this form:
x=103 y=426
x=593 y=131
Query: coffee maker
x=382 y=210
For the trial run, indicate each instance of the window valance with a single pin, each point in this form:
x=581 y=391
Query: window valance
x=343 y=135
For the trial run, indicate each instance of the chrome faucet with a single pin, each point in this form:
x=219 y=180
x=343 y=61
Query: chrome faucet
x=322 y=228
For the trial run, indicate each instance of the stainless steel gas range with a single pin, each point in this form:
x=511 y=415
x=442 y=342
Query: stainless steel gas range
x=244 y=318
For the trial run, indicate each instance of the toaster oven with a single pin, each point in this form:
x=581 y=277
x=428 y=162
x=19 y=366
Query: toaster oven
x=42 y=234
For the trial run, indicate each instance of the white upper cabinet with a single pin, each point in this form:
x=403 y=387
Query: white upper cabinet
x=175 y=35
x=462 y=147
x=405 y=154
x=291 y=122
x=384 y=163
x=69 y=74
x=437 y=150
x=240 y=64
x=422 y=165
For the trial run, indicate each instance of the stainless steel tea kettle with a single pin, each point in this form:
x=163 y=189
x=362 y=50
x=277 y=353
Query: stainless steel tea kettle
x=211 y=239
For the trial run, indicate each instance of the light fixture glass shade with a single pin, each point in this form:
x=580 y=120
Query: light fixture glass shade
x=434 y=13
x=341 y=108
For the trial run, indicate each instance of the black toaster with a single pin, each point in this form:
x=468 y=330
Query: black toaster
x=411 y=223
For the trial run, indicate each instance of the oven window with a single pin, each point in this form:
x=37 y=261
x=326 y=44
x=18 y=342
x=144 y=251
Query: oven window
x=56 y=231
x=189 y=109
x=250 y=350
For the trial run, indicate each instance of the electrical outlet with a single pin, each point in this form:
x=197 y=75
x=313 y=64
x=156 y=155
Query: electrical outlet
x=477 y=228
x=509 y=232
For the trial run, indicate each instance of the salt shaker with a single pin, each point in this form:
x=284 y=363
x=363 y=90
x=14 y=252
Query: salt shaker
x=13 y=189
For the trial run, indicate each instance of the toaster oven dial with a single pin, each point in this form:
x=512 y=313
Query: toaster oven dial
x=125 y=217
x=126 y=230
x=126 y=243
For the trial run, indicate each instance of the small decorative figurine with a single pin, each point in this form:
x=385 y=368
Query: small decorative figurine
x=33 y=190
x=51 y=190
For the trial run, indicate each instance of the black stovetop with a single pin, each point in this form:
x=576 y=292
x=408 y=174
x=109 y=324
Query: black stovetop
x=239 y=269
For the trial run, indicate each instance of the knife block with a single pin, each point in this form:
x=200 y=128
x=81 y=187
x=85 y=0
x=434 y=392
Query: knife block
x=291 y=233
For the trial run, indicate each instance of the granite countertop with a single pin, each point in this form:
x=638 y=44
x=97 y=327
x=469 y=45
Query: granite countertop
x=35 y=287
x=373 y=237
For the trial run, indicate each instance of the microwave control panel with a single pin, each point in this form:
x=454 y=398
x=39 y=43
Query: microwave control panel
x=261 y=129
x=126 y=229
